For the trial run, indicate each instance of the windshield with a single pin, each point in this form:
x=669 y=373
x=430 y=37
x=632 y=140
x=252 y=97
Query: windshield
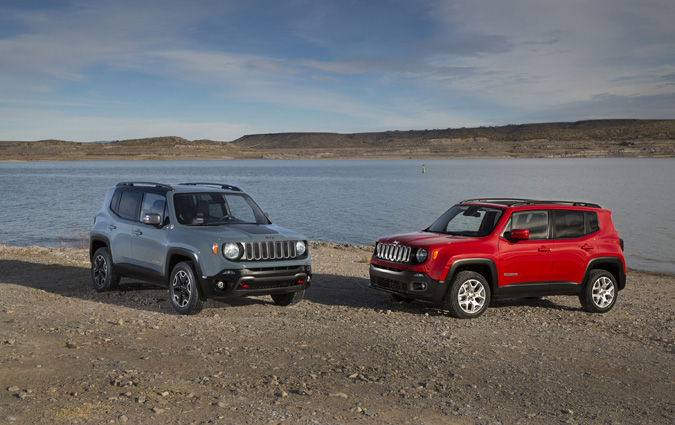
x=216 y=208
x=467 y=220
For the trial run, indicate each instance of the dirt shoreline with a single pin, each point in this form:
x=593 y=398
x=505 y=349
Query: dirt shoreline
x=345 y=355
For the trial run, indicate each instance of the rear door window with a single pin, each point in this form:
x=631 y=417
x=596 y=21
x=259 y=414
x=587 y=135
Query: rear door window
x=128 y=205
x=570 y=224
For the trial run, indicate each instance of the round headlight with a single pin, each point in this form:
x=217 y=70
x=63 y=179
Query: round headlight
x=231 y=251
x=300 y=247
x=421 y=255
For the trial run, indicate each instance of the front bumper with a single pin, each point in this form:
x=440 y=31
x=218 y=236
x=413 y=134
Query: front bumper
x=409 y=284
x=257 y=281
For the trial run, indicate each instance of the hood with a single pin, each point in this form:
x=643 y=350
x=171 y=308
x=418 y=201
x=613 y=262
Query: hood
x=248 y=232
x=425 y=239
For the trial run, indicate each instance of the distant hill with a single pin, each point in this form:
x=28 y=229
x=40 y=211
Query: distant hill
x=593 y=138
x=581 y=138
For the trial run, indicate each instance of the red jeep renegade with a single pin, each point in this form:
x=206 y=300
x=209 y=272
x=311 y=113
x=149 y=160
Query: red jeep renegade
x=483 y=249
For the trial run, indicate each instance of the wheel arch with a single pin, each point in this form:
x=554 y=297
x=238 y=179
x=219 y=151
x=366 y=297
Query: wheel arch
x=177 y=255
x=612 y=265
x=484 y=266
x=97 y=242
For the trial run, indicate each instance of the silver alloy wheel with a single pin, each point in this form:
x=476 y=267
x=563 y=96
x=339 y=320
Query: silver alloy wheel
x=603 y=292
x=471 y=296
x=100 y=270
x=182 y=288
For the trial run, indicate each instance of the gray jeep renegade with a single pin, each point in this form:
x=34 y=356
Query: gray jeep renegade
x=202 y=240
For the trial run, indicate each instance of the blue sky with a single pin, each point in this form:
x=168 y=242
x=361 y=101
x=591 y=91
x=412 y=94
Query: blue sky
x=87 y=70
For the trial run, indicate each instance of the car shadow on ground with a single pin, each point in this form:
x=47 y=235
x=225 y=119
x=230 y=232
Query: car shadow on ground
x=330 y=290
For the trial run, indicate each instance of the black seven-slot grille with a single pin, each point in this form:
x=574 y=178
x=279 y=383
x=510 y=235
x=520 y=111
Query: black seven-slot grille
x=393 y=252
x=269 y=250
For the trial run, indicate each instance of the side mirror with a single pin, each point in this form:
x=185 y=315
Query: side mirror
x=520 y=234
x=151 y=218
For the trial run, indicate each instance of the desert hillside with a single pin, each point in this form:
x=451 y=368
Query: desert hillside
x=596 y=138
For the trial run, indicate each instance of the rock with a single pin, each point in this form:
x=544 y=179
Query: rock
x=340 y=395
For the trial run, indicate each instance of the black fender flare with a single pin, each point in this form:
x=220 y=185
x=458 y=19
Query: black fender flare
x=182 y=252
x=96 y=241
x=617 y=271
x=466 y=263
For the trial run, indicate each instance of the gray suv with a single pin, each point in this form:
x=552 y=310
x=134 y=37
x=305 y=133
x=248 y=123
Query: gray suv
x=202 y=240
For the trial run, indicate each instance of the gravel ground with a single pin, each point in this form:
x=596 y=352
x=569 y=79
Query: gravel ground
x=345 y=355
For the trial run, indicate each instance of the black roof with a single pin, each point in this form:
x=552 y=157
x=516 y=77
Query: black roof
x=511 y=202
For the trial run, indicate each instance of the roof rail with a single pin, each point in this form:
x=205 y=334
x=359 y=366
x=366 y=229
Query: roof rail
x=159 y=185
x=220 y=185
x=519 y=201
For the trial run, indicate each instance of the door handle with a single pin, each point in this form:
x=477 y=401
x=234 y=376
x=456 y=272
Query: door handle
x=138 y=232
x=586 y=247
x=112 y=227
x=545 y=249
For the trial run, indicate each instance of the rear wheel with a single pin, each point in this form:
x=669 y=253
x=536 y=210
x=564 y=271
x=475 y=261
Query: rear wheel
x=286 y=300
x=103 y=278
x=468 y=296
x=186 y=295
x=599 y=294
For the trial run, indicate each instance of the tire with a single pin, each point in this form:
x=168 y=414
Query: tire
x=599 y=294
x=103 y=277
x=287 y=300
x=184 y=291
x=400 y=299
x=468 y=296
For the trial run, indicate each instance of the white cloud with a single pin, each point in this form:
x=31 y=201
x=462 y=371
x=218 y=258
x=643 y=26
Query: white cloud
x=532 y=54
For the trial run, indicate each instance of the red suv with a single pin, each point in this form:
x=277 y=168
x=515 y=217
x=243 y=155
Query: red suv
x=483 y=249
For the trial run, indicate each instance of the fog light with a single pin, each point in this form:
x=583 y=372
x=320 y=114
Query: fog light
x=220 y=285
x=419 y=286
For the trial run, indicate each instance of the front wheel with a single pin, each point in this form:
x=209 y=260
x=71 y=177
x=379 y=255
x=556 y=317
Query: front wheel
x=103 y=278
x=599 y=294
x=184 y=291
x=468 y=296
x=286 y=300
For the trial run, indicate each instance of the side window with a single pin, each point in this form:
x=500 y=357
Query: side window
x=128 y=207
x=592 y=219
x=115 y=202
x=154 y=203
x=569 y=224
x=534 y=221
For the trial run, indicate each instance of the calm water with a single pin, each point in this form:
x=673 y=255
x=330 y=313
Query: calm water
x=354 y=201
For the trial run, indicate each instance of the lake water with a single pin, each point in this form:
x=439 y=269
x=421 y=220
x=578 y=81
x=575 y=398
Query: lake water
x=354 y=201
